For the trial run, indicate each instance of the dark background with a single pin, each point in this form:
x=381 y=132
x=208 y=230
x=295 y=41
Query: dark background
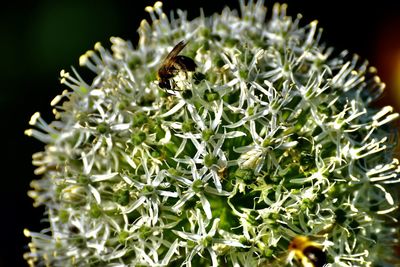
x=39 y=38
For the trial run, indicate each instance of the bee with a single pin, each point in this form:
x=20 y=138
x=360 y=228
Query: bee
x=173 y=64
x=307 y=252
x=223 y=173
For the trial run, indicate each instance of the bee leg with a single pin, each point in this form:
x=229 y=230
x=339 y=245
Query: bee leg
x=171 y=85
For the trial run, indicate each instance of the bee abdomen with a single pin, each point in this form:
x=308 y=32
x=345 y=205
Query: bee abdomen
x=315 y=255
x=185 y=63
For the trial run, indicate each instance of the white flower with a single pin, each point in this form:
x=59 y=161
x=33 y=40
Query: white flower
x=272 y=136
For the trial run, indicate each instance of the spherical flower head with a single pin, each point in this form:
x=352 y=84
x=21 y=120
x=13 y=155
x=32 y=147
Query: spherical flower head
x=270 y=135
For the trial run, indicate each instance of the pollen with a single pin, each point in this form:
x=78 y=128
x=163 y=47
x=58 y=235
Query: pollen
x=34 y=118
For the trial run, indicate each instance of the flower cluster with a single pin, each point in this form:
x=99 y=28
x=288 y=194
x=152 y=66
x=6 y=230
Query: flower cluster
x=271 y=137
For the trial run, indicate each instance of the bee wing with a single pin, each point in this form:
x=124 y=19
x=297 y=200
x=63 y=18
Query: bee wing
x=174 y=52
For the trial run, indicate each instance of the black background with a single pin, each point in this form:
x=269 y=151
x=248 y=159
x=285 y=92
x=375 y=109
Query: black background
x=39 y=38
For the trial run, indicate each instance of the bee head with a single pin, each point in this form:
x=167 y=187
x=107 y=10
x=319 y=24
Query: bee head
x=165 y=84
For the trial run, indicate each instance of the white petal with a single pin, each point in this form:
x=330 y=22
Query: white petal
x=95 y=193
x=103 y=177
